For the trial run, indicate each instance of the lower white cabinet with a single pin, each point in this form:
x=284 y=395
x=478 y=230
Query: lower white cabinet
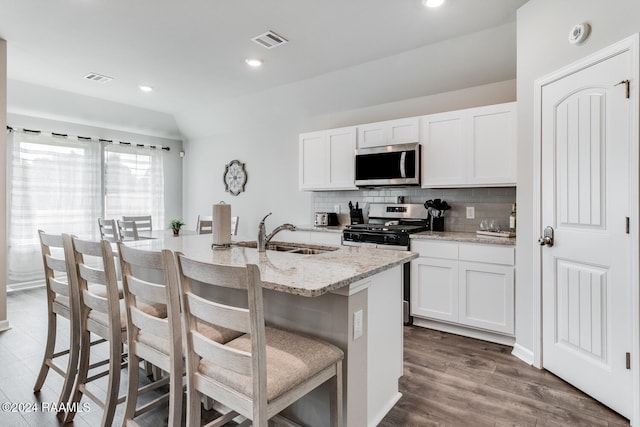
x=486 y=296
x=464 y=284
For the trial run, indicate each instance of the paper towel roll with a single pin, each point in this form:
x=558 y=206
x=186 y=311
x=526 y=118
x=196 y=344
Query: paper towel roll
x=221 y=224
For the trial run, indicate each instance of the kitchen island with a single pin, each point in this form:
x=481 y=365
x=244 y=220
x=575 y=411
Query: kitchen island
x=349 y=296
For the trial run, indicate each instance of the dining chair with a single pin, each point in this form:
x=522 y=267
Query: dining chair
x=128 y=230
x=234 y=225
x=204 y=224
x=92 y=270
x=263 y=371
x=108 y=229
x=62 y=301
x=156 y=339
x=143 y=222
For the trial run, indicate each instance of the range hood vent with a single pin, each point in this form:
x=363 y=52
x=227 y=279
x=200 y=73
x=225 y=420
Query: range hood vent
x=98 y=78
x=269 y=40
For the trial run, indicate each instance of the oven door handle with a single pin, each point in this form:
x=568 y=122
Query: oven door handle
x=403 y=161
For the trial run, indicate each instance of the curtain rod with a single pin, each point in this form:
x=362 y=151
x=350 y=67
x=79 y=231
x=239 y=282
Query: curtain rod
x=85 y=138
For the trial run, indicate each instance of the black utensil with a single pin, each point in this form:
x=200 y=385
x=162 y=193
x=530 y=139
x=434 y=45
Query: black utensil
x=350 y=206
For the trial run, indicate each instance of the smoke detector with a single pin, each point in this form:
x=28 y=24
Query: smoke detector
x=269 y=40
x=98 y=78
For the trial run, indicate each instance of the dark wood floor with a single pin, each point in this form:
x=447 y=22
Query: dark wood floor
x=448 y=381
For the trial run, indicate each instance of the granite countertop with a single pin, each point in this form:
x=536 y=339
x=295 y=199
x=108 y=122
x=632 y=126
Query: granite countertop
x=306 y=275
x=458 y=236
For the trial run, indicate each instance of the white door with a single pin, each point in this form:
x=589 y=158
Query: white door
x=585 y=179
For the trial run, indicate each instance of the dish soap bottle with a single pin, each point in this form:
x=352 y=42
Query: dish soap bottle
x=512 y=219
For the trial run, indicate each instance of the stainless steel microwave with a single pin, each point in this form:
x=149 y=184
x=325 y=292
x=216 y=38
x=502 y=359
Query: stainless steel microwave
x=389 y=165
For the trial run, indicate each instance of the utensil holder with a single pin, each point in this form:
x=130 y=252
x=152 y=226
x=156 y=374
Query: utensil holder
x=437 y=224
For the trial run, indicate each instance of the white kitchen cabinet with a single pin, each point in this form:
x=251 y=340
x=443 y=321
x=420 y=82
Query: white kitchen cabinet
x=486 y=296
x=390 y=132
x=436 y=295
x=471 y=147
x=465 y=284
x=326 y=160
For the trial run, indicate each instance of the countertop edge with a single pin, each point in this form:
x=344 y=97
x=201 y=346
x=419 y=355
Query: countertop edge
x=340 y=284
x=463 y=237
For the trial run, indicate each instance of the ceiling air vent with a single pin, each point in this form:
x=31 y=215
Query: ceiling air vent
x=269 y=40
x=98 y=78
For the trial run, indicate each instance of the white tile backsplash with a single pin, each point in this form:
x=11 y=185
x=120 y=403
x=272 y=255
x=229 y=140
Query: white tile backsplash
x=489 y=203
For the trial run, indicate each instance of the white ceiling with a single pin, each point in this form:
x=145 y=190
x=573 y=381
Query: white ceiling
x=192 y=51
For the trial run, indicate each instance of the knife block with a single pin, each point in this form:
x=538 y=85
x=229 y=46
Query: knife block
x=356 y=216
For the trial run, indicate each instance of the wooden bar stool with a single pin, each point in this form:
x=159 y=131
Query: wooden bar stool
x=154 y=338
x=93 y=271
x=62 y=301
x=260 y=373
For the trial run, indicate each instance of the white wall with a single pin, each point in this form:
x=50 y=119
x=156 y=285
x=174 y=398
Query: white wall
x=543 y=27
x=271 y=151
x=172 y=160
x=3 y=185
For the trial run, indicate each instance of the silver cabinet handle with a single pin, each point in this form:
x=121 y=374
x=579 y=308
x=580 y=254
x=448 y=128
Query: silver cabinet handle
x=547 y=237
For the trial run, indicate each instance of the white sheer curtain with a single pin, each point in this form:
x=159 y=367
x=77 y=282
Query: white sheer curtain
x=134 y=183
x=55 y=186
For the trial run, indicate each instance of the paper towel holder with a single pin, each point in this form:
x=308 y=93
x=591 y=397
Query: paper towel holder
x=227 y=243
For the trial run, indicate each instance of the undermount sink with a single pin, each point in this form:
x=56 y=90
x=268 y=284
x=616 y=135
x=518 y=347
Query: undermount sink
x=292 y=248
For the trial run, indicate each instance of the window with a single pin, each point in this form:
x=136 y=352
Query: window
x=134 y=182
x=57 y=184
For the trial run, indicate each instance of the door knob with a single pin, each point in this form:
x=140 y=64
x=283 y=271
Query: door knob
x=547 y=237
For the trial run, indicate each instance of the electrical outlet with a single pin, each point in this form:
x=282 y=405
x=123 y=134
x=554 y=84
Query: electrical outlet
x=357 y=324
x=471 y=212
x=336 y=208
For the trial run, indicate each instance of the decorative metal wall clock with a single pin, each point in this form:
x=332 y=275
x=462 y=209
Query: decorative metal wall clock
x=235 y=177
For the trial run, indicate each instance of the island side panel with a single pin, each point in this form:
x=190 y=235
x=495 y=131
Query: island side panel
x=329 y=317
x=385 y=343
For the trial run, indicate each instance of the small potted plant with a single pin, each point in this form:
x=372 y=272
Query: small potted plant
x=175 y=225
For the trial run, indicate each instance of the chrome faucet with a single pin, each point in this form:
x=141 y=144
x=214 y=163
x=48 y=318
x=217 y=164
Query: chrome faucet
x=263 y=238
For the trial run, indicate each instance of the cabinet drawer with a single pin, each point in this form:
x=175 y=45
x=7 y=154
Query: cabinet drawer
x=431 y=249
x=485 y=253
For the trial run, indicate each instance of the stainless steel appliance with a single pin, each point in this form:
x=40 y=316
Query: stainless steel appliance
x=389 y=165
x=324 y=219
x=389 y=227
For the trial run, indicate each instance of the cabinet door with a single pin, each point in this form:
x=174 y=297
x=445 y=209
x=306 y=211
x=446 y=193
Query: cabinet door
x=372 y=135
x=492 y=139
x=341 y=146
x=434 y=288
x=390 y=132
x=404 y=131
x=444 y=151
x=486 y=296
x=312 y=163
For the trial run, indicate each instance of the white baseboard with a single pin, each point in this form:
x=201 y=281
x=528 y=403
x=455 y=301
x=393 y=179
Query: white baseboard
x=4 y=325
x=523 y=353
x=377 y=418
x=464 y=331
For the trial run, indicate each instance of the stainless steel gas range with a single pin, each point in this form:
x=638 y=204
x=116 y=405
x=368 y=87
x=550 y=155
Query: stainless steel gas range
x=389 y=227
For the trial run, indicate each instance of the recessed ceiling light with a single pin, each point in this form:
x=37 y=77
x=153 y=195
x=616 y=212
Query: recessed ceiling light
x=145 y=88
x=432 y=3
x=253 y=62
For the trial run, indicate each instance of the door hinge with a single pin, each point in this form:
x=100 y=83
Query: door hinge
x=627 y=83
x=627 y=224
x=628 y=356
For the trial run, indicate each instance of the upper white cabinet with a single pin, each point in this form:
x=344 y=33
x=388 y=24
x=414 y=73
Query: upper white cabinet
x=472 y=147
x=390 y=132
x=326 y=159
